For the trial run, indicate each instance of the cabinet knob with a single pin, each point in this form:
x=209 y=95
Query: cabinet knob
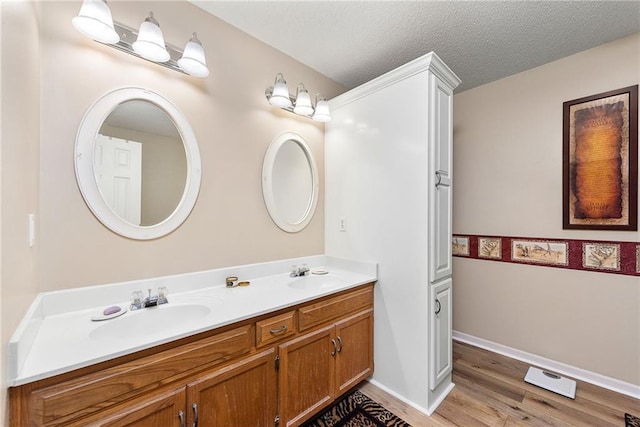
x=439 y=307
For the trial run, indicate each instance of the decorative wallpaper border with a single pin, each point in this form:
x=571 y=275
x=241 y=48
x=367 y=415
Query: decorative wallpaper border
x=588 y=255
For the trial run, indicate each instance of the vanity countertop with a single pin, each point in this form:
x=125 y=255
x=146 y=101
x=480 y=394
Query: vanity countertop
x=57 y=335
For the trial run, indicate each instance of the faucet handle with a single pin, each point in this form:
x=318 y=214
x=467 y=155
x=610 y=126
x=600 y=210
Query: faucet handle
x=136 y=300
x=162 y=295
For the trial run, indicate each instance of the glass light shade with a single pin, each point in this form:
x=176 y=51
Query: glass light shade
x=193 y=61
x=94 y=20
x=280 y=95
x=322 y=113
x=150 y=43
x=303 y=102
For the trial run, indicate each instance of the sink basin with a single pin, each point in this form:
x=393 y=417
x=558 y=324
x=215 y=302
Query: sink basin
x=150 y=321
x=325 y=281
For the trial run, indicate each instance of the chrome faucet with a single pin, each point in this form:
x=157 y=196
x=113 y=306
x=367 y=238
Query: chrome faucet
x=299 y=271
x=137 y=302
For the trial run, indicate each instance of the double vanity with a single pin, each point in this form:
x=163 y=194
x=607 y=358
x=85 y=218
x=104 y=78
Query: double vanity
x=271 y=353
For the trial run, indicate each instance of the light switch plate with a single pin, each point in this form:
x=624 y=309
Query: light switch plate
x=342 y=223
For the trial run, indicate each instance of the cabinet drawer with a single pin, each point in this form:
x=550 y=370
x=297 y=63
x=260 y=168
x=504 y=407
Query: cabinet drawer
x=275 y=328
x=79 y=397
x=342 y=305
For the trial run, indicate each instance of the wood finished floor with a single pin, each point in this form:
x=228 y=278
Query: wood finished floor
x=490 y=391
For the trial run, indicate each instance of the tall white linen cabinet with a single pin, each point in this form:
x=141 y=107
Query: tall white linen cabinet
x=388 y=183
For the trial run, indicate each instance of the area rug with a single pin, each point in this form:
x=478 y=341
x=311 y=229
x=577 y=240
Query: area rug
x=631 y=421
x=356 y=410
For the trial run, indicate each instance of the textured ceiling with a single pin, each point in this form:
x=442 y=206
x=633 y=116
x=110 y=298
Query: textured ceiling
x=352 y=42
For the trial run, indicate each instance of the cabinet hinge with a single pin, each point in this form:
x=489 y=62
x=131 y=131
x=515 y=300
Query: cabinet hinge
x=276 y=421
x=277 y=361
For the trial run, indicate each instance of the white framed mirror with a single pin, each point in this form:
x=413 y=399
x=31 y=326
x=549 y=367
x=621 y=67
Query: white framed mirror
x=290 y=182
x=137 y=163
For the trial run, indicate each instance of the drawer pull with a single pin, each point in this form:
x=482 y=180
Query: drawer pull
x=439 y=307
x=340 y=345
x=181 y=418
x=279 y=330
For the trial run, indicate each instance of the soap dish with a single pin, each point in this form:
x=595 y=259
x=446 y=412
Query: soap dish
x=110 y=312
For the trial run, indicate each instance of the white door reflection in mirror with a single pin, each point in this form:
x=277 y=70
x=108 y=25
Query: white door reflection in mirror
x=163 y=167
x=169 y=170
x=118 y=166
x=290 y=182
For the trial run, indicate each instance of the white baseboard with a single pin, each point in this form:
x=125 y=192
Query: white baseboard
x=552 y=365
x=427 y=411
x=399 y=397
x=440 y=399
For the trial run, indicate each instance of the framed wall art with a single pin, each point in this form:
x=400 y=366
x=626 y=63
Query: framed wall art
x=460 y=245
x=490 y=247
x=600 y=161
x=540 y=251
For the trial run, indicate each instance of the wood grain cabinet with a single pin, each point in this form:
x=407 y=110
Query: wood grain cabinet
x=253 y=373
x=242 y=394
x=321 y=365
x=165 y=409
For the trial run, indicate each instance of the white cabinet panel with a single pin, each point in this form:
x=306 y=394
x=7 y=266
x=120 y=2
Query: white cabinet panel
x=380 y=174
x=440 y=218
x=440 y=360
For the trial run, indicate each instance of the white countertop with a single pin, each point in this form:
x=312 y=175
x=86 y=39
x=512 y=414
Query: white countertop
x=57 y=335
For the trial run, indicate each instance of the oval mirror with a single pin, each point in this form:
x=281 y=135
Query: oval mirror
x=290 y=182
x=137 y=163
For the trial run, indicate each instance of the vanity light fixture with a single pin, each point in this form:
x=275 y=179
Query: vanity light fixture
x=95 y=21
x=278 y=96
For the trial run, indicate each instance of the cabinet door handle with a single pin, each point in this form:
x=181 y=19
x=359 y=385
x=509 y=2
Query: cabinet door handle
x=279 y=330
x=438 y=179
x=181 y=418
x=439 y=306
x=195 y=415
x=340 y=346
x=333 y=343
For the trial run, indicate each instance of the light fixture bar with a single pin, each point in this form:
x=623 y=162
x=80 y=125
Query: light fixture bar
x=129 y=35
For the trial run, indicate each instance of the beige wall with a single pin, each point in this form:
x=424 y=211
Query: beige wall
x=49 y=80
x=508 y=180
x=19 y=139
x=233 y=124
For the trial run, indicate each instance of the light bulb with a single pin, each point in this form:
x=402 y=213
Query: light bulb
x=322 y=113
x=303 y=102
x=193 y=61
x=280 y=95
x=94 y=21
x=150 y=43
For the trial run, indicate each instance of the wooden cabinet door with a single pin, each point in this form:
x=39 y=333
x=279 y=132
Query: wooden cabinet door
x=161 y=410
x=241 y=394
x=307 y=375
x=354 y=360
x=440 y=362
